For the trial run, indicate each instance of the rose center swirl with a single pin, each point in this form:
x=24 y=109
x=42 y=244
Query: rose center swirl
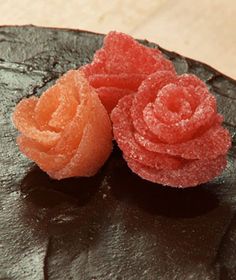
x=172 y=104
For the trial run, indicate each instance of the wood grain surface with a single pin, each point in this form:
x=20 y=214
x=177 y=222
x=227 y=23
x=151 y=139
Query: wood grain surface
x=203 y=29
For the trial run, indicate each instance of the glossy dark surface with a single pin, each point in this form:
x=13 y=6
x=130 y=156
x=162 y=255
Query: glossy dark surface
x=114 y=225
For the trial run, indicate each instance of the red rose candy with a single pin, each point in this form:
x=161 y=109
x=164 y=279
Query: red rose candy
x=170 y=132
x=66 y=131
x=120 y=66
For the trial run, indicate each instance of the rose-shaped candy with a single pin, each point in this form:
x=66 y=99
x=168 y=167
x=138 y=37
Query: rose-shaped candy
x=66 y=131
x=120 y=66
x=170 y=132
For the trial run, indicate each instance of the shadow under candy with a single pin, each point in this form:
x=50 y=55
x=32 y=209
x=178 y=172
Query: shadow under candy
x=126 y=223
x=46 y=192
x=157 y=199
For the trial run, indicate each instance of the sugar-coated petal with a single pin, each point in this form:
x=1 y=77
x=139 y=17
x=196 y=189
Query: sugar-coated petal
x=23 y=119
x=85 y=138
x=214 y=142
x=122 y=63
x=202 y=118
x=110 y=96
x=45 y=159
x=71 y=135
x=145 y=95
x=125 y=55
x=170 y=132
x=97 y=65
x=191 y=174
x=46 y=105
x=120 y=81
x=186 y=80
x=94 y=147
x=65 y=111
x=124 y=135
x=172 y=104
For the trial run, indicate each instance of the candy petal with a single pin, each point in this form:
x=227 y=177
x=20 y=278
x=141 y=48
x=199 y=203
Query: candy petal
x=23 y=119
x=193 y=173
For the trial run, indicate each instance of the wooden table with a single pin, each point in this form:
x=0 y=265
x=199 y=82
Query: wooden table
x=202 y=29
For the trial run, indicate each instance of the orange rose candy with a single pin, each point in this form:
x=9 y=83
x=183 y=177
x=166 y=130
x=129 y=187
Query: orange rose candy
x=66 y=131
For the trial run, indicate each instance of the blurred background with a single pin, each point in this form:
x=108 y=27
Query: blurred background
x=204 y=29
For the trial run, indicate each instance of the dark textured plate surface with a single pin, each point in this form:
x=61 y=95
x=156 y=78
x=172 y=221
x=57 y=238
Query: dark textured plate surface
x=114 y=225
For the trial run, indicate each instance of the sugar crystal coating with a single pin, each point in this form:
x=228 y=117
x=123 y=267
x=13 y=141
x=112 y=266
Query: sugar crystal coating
x=121 y=65
x=170 y=132
x=61 y=132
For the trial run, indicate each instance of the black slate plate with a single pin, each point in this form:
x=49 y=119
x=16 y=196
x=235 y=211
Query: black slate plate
x=114 y=225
